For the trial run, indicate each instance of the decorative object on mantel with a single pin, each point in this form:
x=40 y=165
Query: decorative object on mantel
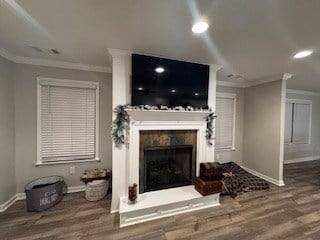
x=121 y=123
x=133 y=193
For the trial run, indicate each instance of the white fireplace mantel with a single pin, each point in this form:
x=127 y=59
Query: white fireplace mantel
x=161 y=203
x=164 y=120
x=167 y=115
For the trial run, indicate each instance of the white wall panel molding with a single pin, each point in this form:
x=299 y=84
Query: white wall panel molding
x=53 y=63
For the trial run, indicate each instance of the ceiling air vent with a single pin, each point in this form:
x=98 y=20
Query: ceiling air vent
x=46 y=51
x=233 y=76
x=55 y=51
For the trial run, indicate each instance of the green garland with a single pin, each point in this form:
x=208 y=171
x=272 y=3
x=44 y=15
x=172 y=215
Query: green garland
x=121 y=123
x=209 y=131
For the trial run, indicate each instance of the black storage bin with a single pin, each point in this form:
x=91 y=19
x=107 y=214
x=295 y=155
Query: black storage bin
x=44 y=193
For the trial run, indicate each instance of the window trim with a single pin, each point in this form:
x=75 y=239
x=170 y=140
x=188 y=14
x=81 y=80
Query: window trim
x=302 y=101
x=234 y=97
x=65 y=83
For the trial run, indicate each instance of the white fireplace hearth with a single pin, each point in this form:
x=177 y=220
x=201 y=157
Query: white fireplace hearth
x=166 y=202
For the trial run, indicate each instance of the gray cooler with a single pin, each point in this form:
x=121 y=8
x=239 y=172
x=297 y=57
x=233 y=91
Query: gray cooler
x=44 y=193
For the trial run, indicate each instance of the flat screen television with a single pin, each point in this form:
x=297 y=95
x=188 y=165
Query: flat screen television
x=159 y=81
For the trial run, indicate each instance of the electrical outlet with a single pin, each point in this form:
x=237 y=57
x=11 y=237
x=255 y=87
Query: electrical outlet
x=72 y=170
x=218 y=156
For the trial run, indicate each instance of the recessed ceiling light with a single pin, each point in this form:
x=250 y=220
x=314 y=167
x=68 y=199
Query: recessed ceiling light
x=196 y=94
x=173 y=90
x=159 y=69
x=303 y=54
x=140 y=88
x=200 y=27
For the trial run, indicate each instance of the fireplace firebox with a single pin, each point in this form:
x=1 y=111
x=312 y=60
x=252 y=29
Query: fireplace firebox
x=167 y=167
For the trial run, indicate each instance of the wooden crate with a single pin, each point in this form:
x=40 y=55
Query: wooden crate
x=207 y=187
x=210 y=171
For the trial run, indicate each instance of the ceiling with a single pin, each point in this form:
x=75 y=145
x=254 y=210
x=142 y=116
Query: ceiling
x=250 y=38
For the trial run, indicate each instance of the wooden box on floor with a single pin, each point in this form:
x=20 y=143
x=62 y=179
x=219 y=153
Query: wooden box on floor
x=207 y=187
x=210 y=171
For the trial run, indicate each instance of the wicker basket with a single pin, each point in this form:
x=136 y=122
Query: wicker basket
x=96 y=190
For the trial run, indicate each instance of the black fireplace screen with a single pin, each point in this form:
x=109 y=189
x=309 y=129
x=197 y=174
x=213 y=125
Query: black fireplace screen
x=167 y=167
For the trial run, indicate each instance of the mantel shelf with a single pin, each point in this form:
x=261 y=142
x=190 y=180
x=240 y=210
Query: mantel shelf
x=167 y=115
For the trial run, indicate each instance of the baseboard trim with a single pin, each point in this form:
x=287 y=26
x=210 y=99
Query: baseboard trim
x=303 y=159
x=22 y=196
x=75 y=189
x=7 y=204
x=269 y=179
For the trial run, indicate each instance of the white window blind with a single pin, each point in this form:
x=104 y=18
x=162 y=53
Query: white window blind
x=298 y=121
x=225 y=121
x=288 y=123
x=301 y=123
x=68 y=115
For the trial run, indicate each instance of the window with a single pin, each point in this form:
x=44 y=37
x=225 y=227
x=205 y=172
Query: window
x=225 y=121
x=298 y=121
x=67 y=121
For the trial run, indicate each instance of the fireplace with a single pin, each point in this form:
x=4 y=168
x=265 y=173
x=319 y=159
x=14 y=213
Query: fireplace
x=162 y=142
x=167 y=167
x=167 y=159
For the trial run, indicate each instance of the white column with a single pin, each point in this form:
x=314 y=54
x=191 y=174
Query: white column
x=121 y=94
x=285 y=77
x=212 y=104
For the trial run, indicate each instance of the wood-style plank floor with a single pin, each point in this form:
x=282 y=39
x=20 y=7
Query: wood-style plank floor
x=289 y=212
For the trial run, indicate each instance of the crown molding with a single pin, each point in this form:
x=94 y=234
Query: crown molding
x=7 y=55
x=284 y=76
x=118 y=52
x=61 y=64
x=293 y=91
x=215 y=67
x=287 y=76
x=231 y=84
x=53 y=63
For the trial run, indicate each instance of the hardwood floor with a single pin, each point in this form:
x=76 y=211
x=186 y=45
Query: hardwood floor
x=289 y=212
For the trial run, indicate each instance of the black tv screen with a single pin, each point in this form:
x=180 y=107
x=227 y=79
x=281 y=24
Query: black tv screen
x=159 y=81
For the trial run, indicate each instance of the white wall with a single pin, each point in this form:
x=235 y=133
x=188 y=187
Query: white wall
x=263 y=147
x=25 y=95
x=237 y=154
x=296 y=151
x=7 y=142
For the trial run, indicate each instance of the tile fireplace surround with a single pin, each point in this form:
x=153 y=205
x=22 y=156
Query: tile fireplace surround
x=161 y=203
